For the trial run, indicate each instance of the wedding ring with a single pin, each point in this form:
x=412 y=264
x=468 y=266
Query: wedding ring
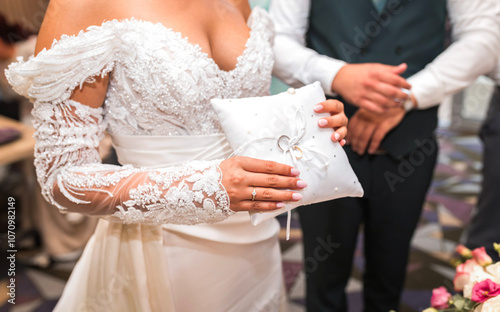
x=254 y=193
x=301 y=152
x=282 y=138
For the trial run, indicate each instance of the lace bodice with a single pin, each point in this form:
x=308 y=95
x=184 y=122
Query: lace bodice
x=160 y=84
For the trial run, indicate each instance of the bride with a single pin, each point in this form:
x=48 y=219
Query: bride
x=173 y=233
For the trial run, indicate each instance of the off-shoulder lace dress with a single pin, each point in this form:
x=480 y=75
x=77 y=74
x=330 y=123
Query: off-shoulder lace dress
x=160 y=84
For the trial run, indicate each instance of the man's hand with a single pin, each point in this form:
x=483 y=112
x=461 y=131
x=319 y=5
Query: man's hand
x=373 y=86
x=366 y=127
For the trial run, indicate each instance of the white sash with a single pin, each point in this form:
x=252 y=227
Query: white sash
x=159 y=151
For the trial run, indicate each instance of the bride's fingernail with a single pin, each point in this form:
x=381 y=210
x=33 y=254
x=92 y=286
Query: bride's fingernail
x=297 y=196
x=301 y=184
x=280 y=205
x=295 y=172
x=322 y=122
x=337 y=136
x=318 y=108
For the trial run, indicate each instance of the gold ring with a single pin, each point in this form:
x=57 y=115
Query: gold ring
x=254 y=193
x=301 y=152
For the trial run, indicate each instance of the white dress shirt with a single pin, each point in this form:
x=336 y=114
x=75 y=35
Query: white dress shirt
x=474 y=51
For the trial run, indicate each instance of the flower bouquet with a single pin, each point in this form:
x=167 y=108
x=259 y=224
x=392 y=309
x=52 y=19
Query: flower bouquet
x=477 y=280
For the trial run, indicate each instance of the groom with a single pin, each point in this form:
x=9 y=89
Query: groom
x=369 y=53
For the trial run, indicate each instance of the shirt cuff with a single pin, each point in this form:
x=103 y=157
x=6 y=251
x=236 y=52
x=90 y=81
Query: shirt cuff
x=427 y=90
x=326 y=70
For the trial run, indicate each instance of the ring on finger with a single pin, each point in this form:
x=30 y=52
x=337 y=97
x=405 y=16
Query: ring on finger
x=254 y=193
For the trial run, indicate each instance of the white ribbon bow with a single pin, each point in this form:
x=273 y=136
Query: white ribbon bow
x=308 y=154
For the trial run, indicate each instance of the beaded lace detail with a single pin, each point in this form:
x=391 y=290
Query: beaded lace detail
x=160 y=84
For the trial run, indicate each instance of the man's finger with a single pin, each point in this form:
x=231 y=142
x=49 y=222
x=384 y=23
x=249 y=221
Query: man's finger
x=400 y=69
x=371 y=106
x=396 y=69
x=395 y=80
x=391 y=92
x=377 y=138
x=381 y=100
x=365 y=138
x=361 y=135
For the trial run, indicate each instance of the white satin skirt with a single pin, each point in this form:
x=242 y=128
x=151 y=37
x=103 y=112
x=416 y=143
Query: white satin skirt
x=227 y=266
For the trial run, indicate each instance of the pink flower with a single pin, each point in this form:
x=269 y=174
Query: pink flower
x=484 y=290
x=481 y=256
x=463 y=273
x=440 y=298
x=461 y=278
x=463 y=251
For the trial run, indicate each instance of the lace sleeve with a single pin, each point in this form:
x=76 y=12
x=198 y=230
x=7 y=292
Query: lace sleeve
x=67 y=135
x=72 y=177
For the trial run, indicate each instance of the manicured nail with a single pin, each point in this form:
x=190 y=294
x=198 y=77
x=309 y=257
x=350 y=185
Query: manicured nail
x=280 y=205
x=343 y=142
x=301 y=184
x=297 y=196
x=318 y=108
x=295 y=172
x=337 y=136
x=322 y=122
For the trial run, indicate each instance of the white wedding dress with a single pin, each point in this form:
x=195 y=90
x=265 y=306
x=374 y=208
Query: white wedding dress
x=166 y=240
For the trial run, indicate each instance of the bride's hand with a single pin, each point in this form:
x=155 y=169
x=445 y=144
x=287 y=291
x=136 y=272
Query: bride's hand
x=337 y=120
x=242 y=175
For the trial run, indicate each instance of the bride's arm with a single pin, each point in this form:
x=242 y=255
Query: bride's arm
x=69 y=125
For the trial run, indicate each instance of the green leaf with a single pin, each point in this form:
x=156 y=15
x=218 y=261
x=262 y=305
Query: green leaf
x=459 y=304
x=458 y=297
x=472 y=305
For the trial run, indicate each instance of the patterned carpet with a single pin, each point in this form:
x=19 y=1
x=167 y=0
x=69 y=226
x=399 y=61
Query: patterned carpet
x=448 y=208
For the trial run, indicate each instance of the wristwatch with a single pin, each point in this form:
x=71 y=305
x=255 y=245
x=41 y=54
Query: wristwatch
x=408 y=103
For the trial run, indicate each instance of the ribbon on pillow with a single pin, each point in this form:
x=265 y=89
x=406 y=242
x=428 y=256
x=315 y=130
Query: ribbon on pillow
x=292 y=145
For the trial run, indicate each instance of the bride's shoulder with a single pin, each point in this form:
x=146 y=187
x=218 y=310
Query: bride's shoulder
x=69 y=17
x=244 y=7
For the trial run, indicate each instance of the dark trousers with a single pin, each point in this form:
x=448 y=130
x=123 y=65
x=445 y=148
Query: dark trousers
x=389 y=211
x=484 y=229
